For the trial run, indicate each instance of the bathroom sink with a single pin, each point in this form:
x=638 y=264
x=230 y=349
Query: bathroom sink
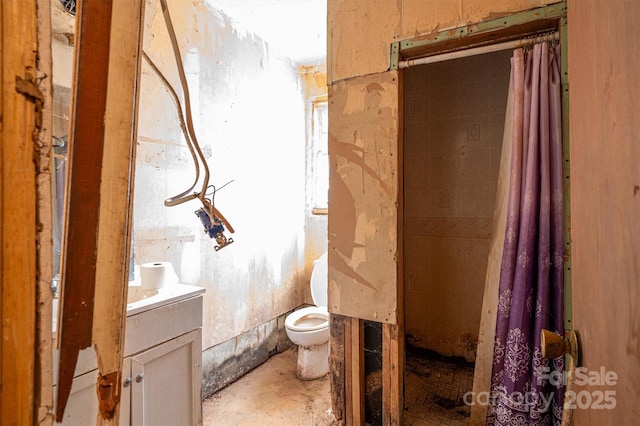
x=137 y=293
x=140 y=299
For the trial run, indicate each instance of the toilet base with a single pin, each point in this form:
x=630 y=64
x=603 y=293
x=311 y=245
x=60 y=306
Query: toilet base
x=313 y=361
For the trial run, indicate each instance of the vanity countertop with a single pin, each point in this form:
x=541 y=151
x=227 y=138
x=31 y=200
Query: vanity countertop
x=140 y=299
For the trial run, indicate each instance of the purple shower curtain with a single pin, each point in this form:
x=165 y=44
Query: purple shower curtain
x=531 y=276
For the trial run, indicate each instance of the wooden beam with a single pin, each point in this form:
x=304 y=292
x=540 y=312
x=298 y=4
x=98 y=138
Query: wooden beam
x=20 y=104
x=86 y=144
x=354 y=371
x=337 y=365
x=44 y=337
x=97 y=225
x=392 y=374
x=393 y=335
x=116 y=199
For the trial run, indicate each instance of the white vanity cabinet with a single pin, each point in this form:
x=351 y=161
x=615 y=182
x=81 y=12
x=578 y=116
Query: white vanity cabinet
x=162 y=365
x=165 y=383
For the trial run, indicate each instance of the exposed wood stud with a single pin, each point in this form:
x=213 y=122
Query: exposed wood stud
x=97 y=226
x=20 y=125
x=86 y=146
x=337 y=365
x=44 y=338
x=116 y=199
x=392 y=374
x=354 y=371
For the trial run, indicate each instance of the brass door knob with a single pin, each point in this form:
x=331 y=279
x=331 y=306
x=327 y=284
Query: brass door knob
x=553 y=346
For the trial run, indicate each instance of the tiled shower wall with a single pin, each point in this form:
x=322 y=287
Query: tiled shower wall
x=454 y=122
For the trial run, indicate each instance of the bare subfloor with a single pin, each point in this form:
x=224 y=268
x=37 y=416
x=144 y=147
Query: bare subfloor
x=269 y=395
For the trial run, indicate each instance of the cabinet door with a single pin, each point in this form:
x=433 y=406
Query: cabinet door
x=125 y=393
x=167 y=383
x=82 y=405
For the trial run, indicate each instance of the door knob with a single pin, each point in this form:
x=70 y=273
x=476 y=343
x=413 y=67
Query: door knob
x=139 y=377
x=126 y=382
x=554 y=346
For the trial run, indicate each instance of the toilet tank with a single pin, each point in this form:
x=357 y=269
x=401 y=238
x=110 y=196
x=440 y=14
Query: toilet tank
x=319 y=281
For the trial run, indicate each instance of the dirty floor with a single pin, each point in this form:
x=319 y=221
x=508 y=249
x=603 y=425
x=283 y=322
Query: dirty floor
x=434 y=391
x=271 y=395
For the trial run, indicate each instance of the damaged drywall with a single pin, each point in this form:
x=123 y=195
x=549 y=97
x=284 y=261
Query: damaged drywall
x=359 y=37
x=361 y=34
x=363 y=155
x=425 y=17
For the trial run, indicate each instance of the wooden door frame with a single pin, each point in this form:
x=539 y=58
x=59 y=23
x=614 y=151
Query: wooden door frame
x=506 y=28
x=99 y=197
x=26 y=291
x=20 y=107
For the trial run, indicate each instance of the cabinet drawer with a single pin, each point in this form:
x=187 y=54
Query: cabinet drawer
x=150 y=328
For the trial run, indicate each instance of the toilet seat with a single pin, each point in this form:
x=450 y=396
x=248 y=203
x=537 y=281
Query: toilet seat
x=308 y=319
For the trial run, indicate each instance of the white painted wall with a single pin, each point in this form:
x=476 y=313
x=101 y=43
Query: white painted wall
x=248 y=106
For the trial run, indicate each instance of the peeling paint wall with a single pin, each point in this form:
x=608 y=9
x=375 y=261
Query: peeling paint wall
x=249 y=115
x=250 y=111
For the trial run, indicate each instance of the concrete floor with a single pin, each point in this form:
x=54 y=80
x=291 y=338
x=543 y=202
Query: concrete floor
x=271 y=395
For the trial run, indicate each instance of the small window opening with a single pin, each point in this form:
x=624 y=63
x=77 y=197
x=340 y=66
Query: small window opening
x=319 y=185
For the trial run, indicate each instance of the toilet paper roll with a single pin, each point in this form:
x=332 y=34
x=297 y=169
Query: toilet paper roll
x=155 y=275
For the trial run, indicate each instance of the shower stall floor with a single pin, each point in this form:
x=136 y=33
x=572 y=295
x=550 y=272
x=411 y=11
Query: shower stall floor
x=435 y=388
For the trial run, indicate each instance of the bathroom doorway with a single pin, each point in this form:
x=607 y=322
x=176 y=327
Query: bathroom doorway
x=453 y=129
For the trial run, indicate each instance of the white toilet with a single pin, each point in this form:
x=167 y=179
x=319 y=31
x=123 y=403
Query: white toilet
x=309 y=327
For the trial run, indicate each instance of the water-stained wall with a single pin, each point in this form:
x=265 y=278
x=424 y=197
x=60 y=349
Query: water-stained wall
x=248 y=105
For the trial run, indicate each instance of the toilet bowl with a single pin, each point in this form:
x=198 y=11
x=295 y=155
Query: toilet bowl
x=309 y=327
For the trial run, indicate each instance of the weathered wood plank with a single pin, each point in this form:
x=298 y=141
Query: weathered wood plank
x=337 y=365
x=392 y=374
x=102 y=154
x=86 y=142
x=44 y=361
x=354 y=371
x=116 y=200
x=604 y=96
x=20 y=124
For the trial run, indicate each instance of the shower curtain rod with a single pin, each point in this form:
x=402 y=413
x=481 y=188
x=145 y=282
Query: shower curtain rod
x=479 y=50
